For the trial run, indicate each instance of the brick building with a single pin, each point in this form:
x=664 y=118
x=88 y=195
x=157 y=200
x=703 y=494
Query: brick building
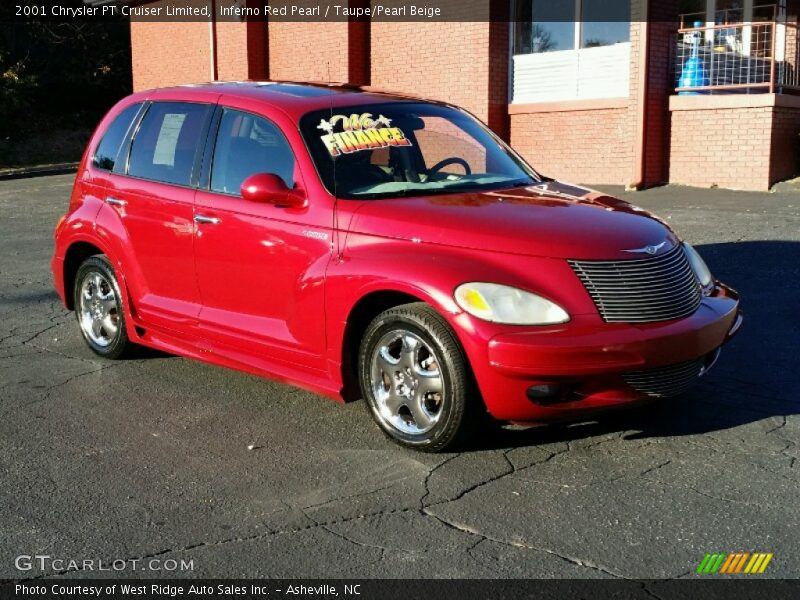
x=695 y=92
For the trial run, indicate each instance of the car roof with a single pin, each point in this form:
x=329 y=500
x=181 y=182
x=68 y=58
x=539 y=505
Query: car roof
x=294 y=98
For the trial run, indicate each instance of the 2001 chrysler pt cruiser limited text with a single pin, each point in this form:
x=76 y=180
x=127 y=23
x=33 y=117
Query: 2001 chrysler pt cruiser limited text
x=370 y=245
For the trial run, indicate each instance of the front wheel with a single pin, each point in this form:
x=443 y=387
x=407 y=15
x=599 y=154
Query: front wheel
x=98 y=307
x=416 y=380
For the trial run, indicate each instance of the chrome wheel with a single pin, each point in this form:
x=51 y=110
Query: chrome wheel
x=407 y=383
x=99 y=309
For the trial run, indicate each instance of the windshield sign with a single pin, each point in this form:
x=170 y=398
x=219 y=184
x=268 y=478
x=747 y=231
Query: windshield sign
x=360 y=132
x=402 y=149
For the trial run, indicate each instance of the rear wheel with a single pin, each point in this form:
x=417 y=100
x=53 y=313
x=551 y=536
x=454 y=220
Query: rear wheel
x=415 y=379
x=99 y=309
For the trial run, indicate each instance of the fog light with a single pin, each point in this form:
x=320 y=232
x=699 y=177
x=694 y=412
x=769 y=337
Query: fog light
x=544 y=392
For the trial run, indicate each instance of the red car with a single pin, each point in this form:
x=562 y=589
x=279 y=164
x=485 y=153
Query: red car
x=362 y=244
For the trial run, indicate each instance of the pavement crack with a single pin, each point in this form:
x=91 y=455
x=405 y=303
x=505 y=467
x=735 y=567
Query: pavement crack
x=472 y=488
x=428 y=478
x=327 y=527
x=48 y=392
x=41 y=332
x=655 y=468
x=714 y=497
x=781 y=425
x=237 y=540
x=587 y=564
x=345 y=497
x=62 y=354
x=649 y=592
x=511 y=470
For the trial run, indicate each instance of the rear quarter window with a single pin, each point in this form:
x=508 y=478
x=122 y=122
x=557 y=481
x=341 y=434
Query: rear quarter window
x=168 y=142
x=108 y=150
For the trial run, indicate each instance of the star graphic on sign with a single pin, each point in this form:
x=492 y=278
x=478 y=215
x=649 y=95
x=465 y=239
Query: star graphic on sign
x=323 y=124
x=381 y=119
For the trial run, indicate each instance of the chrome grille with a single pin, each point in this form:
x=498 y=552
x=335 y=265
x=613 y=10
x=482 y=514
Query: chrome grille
x=665 y=381
x=642 y=290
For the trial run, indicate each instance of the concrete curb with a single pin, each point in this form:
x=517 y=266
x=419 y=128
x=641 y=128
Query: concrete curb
x=38 y=171
x=792 y=186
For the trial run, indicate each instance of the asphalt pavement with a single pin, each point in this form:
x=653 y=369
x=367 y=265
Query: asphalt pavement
x=150 y=458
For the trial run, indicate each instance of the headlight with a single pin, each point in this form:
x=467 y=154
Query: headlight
x=504 y=304
x=699 y=267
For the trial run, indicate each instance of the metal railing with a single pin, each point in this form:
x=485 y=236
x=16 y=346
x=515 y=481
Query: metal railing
x=737 y=58
x=760 y=13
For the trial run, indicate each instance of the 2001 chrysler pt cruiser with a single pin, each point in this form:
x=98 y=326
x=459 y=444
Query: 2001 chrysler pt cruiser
x=362 y=244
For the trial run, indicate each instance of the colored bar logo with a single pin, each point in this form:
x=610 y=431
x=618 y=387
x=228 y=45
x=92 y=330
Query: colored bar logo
x=734 y=563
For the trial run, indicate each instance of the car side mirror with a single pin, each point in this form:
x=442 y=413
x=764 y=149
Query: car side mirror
x=268 y=188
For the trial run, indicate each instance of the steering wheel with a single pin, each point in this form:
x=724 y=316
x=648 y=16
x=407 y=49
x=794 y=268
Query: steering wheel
x=453 y=160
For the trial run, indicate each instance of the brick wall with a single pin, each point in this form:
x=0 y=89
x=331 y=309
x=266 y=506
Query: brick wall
x=231 y=50
x=582 y=146
x=737 y=143
x=443 y=61
x=308 y=51
x=725 y=147
x=166 y=53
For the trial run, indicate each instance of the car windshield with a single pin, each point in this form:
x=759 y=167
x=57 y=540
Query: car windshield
x=407 y=148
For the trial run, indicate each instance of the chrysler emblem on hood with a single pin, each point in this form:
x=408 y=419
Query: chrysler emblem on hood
x=647 y=249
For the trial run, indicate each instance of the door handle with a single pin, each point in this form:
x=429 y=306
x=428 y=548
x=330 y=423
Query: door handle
x=115 y=201
x=207 y=220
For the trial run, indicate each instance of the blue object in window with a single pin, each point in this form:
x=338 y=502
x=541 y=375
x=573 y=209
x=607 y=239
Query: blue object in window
x=694 y=73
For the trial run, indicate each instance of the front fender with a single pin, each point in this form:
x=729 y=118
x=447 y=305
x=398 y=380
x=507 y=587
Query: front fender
x=431 y=273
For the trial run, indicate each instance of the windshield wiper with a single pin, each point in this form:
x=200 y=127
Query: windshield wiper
x=468 y=186
x=401 y=193
x=520 y=183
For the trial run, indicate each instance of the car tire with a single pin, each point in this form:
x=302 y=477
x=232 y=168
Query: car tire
x=416 y=380
x=99 y=308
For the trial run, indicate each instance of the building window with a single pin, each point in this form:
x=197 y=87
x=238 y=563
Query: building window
x=544 y=26
x=571 y=50
x=605 y=23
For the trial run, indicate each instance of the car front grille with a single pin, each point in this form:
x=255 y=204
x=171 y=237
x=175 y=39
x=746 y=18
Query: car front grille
x=643 y=290
x=665 y=381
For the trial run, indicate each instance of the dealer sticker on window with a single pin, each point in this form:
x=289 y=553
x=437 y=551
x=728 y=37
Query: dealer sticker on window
x=360 y=132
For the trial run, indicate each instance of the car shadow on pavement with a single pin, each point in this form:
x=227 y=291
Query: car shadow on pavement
x=756 y=374
x=28 y=298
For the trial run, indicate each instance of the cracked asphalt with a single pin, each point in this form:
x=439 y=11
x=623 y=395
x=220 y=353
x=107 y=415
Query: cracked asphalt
x=149 y=457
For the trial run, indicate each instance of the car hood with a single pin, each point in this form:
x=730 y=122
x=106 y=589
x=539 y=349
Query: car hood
x=550 y=220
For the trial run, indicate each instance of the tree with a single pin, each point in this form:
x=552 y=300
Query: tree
x=65 y=72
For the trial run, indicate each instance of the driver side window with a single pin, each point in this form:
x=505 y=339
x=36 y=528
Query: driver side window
x=442 y=139
x=246 y=145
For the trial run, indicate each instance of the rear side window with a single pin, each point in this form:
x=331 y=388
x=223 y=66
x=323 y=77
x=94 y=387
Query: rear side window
x=246 y=145
x=105 y=157
x=168 y=141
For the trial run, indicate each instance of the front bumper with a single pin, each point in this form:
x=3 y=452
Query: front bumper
x=586 y=359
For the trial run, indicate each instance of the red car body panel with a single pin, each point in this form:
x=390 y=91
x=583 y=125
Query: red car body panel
x=272 y=290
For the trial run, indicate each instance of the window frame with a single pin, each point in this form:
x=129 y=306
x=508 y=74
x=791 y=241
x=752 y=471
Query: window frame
x=575 y=52
x=577 y=38
x=124 y=147
x=210 y=147
x=199 y=151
